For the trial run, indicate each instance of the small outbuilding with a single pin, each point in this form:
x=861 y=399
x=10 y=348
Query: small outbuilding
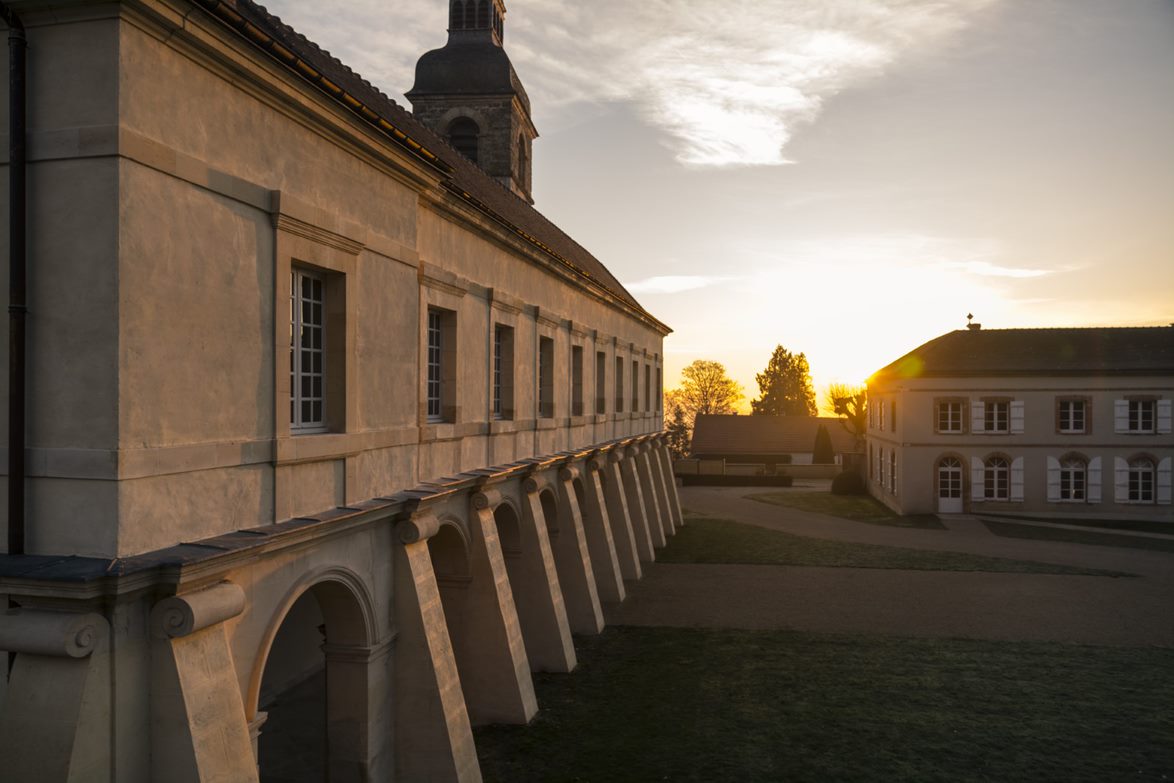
x=769 y=441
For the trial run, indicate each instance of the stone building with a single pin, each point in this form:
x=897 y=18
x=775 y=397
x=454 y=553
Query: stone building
x=1052 y=422
x=322 y=414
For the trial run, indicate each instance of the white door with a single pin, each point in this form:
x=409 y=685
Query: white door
x=950 y=486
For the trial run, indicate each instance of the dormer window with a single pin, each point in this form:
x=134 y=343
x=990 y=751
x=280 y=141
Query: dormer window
x=462 y=135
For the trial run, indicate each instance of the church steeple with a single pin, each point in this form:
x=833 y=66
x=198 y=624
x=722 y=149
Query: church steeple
x=478 y=15
x=469 y=93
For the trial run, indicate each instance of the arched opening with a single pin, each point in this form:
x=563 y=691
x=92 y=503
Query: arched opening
x=1074 y=478
x=482 y=15
x=949 y=483
x=550 y=514
x=469 y=15
x=308 y=700
x=1140 y=479
x=456 y=15
x=462 y=135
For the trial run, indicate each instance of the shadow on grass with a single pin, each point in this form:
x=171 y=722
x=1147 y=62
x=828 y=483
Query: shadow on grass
x=1009 y=529
x=705 y=540
x=858 y=508
x=652 y=704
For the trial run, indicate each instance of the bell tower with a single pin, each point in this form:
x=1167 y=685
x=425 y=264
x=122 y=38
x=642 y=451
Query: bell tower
x=469 y=93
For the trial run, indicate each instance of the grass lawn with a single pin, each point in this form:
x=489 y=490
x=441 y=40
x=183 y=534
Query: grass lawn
x=1133 y=525
x=859 y=508
x=1012 y=530
x=672 y=704
x=705 y=540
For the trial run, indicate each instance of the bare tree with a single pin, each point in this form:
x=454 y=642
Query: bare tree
x=850 y=403
x=705 y=388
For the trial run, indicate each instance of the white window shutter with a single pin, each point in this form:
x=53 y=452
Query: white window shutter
x=1120 y=480
x=1164 y=481
x=1094 y=480
x=1017 y=417
x=1017 y=479
x=1053 y=479
x=977 y=416
x=1120 y=415
x=977 y=482
x=1164 y=416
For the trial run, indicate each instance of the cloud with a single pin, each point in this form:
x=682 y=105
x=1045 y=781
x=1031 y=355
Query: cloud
x=673 y=284
x=728 y=82
x=987 y=269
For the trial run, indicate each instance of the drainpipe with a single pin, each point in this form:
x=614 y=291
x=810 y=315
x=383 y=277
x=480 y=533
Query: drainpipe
x=16 y=284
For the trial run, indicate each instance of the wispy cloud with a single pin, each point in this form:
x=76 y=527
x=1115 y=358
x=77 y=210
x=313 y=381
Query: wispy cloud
x=987 y=269
x=727 y=82
x=673 y=284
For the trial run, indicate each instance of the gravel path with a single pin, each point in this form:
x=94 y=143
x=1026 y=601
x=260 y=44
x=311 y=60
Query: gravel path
x=1136 y=611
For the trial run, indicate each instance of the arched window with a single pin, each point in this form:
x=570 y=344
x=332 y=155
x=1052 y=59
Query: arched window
x=482 y=15
x=1073 y=478
x=1141 y=480
x=462 y=135
x=522 y=161
x=470 y=12
x=950 y=478
x=456 y=15
x=996 y=478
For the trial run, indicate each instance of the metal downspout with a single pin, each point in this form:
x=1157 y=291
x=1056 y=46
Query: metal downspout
x=16 y=280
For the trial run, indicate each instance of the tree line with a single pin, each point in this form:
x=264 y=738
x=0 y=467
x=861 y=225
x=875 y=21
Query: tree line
x=785 y=389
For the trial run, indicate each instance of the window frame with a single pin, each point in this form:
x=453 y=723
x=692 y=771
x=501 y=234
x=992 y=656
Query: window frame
x=1066 y=427
x=545 y=386
x=298 y=424
x=992 y=422
x=1073 y=479
x=1138 y=408
x=577 y=407
x=945 y=403
x=1142 y=480
x=600 y=382
x=502 y=369
x=991 y=478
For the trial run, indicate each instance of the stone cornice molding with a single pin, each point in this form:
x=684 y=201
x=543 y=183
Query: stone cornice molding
x=283 y=222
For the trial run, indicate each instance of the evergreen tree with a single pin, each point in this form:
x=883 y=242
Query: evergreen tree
x=823 y=451
x=679 y=437
x=785 y=386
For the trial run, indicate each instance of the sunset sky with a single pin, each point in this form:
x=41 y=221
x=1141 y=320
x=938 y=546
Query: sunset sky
x=848 y=178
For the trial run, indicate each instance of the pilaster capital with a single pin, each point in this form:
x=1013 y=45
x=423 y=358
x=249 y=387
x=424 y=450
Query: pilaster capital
x=181 y=615
x=530 y=485
x=568 y=473
x=617 y=455
x=56 y=634
x=485 y=499
x=418 y=528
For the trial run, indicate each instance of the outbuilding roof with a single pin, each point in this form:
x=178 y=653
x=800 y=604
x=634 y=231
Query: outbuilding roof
x=463 y=178
x=716 y=434
x=1022 y=352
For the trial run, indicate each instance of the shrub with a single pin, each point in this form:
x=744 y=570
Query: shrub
x=848 y=483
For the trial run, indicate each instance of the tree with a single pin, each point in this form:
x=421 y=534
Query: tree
x=785 y=386
x=679 y=436
x=850 y=403
x=823 y=453
x=705 y=388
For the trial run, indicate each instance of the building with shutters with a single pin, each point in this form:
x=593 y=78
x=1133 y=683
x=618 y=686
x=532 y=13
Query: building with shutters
x=332 y=438
x=1054 y=422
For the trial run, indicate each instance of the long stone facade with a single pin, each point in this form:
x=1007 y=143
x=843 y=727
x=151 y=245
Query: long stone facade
x=323 y=420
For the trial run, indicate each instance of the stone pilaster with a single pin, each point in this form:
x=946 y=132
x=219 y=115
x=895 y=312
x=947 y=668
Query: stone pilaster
x=198 y=726
x=537 y=592
x=637 y=510
x=56 y=719
x=597 y=528
x=618 y=514
x=573 y=558
x=433 y=735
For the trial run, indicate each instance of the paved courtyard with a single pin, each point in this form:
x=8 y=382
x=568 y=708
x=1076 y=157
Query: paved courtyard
x=1132 y=611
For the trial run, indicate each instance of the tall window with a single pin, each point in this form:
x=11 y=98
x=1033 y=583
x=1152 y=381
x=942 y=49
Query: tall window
x=997 y=416
x=647 y=388
x=949 y=416
x=462 y=135
x=1073 y=479
x=600 y=382
x=659 y=390
x=635 y=386
x=950 y=478
x=503 y=372
x=996 y=479
x=1141 y=480
x=619 y=384
x=893 y=471
x=1071 y=416
x=307 y=307
x=1141 y=415
x=576 y=380
x=545 y=377
x=435 y=365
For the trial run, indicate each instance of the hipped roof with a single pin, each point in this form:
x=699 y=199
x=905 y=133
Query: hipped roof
x=1025 y=352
